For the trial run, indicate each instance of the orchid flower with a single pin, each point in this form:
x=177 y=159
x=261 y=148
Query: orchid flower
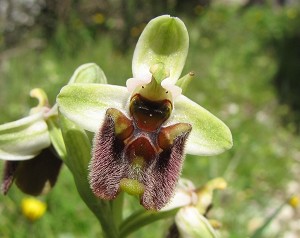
x=27 y=144
x=194 y=203
x=142 y=131
x=30 y=134
x=25 y=147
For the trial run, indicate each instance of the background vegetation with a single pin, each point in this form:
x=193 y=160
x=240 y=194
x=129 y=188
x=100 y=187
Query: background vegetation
x=246 y=60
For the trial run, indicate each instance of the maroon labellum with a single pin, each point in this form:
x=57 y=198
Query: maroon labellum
x=139 y=150
x=35 y=176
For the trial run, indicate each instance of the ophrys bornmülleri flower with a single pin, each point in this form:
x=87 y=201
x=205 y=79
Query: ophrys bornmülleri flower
x=144 y=130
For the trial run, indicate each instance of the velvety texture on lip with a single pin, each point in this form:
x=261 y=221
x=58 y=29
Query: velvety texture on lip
x=137 y=158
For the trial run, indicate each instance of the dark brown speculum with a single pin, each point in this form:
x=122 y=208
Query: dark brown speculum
x=138 y=154
x=149 y=115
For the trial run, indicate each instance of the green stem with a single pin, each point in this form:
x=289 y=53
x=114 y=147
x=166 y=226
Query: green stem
x=100 y=208
x=78 y=156
x=117 y=208
x=258 y=233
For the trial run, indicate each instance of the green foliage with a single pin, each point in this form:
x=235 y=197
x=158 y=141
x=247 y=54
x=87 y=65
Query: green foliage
x=235 y=64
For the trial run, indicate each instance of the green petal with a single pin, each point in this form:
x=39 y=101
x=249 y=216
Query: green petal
x=86 y=104
x=23 y=139
x=209 y=134
x=88 y=73
x=184 y=82
x=164 y=40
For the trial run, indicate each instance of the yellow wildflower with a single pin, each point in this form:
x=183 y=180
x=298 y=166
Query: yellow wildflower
x=294 y=201
x=33 y=208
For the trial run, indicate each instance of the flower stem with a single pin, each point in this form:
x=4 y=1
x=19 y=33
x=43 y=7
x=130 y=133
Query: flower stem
x=117 y=208
x=78 y=157
x=101 y=209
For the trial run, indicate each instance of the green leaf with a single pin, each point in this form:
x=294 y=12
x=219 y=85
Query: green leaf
x=88 y=73
x=259 y=232
x=86 y=104
x=78 y=148
x=209 y=134
x=164 y=40
x=142 y=218
x=24 y=139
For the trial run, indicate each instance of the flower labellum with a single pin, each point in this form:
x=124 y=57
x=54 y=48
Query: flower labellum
x=25 y=147
x=138 y=154
x=32 y=147
x=35 y=176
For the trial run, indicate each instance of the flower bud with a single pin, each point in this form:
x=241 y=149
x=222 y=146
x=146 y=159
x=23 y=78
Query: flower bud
x=191 y=224
x=88 y=73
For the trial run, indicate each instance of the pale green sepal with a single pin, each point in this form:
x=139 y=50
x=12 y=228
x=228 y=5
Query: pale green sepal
x=164 y=40
x=23 y=122
x=23 y=139
x=12 y=156
x=209 y=136
x=86 y=104
x=88 y=73
x=191 y=224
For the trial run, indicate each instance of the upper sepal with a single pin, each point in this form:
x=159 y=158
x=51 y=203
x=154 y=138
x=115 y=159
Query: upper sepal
x=164 y=40
x=209 y=136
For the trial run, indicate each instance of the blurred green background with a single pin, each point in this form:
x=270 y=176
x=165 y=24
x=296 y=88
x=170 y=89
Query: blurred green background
x=246 y=57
